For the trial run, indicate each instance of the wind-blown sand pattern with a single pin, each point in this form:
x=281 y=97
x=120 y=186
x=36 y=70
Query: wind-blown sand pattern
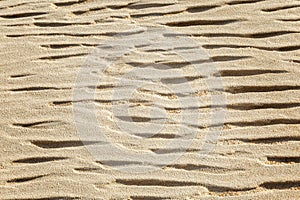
x=254 y=44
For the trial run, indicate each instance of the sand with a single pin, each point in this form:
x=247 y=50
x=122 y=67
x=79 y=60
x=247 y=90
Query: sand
x=181 y=100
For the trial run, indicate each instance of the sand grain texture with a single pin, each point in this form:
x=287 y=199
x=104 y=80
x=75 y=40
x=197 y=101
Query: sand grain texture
x=255 y=45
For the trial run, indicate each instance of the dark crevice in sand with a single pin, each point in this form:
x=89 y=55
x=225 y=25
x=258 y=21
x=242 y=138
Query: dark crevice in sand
x=189 y=167
x=63 y=46
x=162 y=50
x=26 y=179
x=196 y=9
x=240 y=106
x=253 y=106
x=174 y=64
x=63 y=56
x=248 y=35
x=37 y=88
x=58 y=24
x=248 y=89
x=280 y=49
x=168 y=95
x=137 y=119
x=62 y=34
x=280 y=185
x=280 y=8
x=295 y=61
x=170 y=64
x=243 y=2
x=80 y=12
x=16 y=5
x=102 y=87
x=155 y=182
x=105 y=101
x=289 y=159
x=269 y=140
x=139 y=101
x=36 y=124
x=87 y=169
x=69 y=3
x=161 y=135
x=204 y=168
x=95 y=9
x=59 y=46
x=179 y=80
x=228 y=58
x=171 y=183
x=22 y=15
x=49 y=144
x=62 y=103
x=245 y=72
x=155 y=14
x=117 y=7
x=265 y=122
x=21 y=75
x=161 y=65
x=201 y=22
x=68 y=103
x=89 y=45
x=118 y=162
x=174 y=150
x=289 y=20
x=138 y=6
x=39 y=159
x=14 y=25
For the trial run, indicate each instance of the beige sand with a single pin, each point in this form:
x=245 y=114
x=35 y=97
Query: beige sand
x=255 y=45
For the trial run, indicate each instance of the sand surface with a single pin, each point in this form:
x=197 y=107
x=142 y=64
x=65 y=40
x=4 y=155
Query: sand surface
x=52 y=100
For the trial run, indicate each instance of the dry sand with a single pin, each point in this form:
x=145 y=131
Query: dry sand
x=253 y=44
